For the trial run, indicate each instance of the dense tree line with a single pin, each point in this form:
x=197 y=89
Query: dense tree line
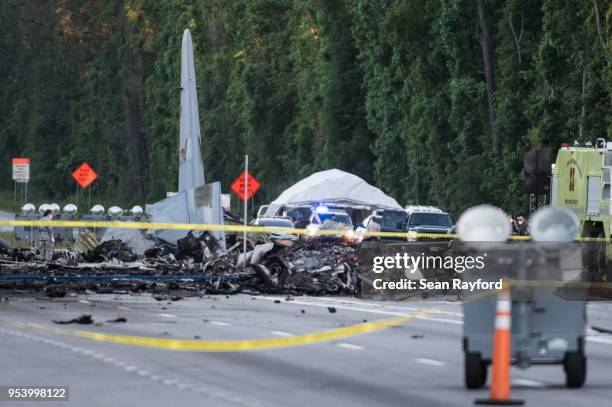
x=432 y=100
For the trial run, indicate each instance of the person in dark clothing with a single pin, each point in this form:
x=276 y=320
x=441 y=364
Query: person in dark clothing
x=521 y=226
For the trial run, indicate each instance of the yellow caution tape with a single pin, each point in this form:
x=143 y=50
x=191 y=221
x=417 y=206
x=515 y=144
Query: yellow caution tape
x=253 y=229
x=215 y=228
x=246 y=344
x=230 y=346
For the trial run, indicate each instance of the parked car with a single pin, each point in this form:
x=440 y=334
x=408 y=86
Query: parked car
x=427 y=219
x=390 y=220
x=276 y=222
x=322 y=214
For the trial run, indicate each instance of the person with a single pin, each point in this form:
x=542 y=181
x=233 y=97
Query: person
x=374 y=224
x=521 y=226
x=47 y=240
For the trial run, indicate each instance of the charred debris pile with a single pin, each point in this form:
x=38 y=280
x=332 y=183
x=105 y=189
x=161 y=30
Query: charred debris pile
x=197 y=266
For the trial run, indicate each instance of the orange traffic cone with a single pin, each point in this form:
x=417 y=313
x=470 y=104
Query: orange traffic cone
x=500 y=380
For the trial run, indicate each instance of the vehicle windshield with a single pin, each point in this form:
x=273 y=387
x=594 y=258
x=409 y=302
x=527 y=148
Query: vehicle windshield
x=431 y=219
x=394 y=219
x=338 y=217
x=299 y=213
x=277 y=223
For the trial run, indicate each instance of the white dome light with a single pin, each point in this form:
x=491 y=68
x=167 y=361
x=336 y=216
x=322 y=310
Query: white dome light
x=484 y=223
x=28 y=209
x=42 y=208
x=70 y=209
x=136 y=211
x=97 y=210
x=115 y=211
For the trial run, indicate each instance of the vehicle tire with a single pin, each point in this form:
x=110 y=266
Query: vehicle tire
x=575 y=369
x=475 y=371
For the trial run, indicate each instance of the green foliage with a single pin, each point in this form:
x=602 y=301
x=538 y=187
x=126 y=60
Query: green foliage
x=391 y=90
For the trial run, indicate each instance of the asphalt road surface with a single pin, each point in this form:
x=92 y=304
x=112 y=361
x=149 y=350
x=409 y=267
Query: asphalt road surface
x=417 y=364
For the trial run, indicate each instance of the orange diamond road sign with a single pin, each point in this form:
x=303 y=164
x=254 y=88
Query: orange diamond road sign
x=238 y=186
x=84 y=175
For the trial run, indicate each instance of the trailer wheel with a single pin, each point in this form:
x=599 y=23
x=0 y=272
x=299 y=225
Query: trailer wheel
x=575 y=369
x=475 y=371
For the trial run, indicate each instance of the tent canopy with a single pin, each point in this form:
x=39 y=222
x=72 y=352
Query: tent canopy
x=335 y=186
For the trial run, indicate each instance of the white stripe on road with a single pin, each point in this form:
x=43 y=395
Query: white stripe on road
x=84 y=302
x=167 y=315
x=381 y=306
x=369 y=310
x=349 y=346
x=281 y=333
x=430 y=362
x=444 y=320
x=527 y=383
x=220 y=323
x=140 y=372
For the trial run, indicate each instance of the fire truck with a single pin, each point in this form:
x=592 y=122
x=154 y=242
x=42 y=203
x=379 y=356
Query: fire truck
x=580 y=181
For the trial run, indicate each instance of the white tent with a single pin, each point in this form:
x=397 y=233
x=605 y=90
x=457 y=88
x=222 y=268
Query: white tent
x=335 y=186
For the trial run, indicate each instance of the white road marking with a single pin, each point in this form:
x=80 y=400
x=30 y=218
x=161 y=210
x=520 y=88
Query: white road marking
x=430 y=362
x=600 y=339
x=220 y=323
x=444 y=320
x=167 y=315
x=369 y=310
x=281 y=333
x=124 y=308
x=527 y=382
x=383 y=306
x=349 y=346
x=135 y=370
x=85 y=302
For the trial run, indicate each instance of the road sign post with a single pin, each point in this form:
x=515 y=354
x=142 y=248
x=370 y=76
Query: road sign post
x=21 y=174
x=245 y=187
x=246 y=202
x=84 y=175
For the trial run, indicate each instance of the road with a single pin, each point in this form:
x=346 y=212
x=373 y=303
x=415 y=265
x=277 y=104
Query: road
x=419 y=363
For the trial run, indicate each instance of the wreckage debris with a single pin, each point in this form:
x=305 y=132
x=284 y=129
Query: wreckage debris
x=117 y=320
x=332 y=310
x=111 y=249
x=197 y=266
x=55 y=291
x=82 y=320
